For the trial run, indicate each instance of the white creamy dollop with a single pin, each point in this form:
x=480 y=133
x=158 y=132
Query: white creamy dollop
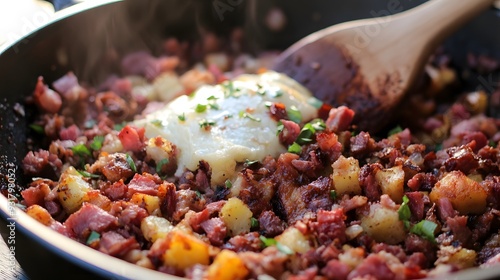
x=228 y=123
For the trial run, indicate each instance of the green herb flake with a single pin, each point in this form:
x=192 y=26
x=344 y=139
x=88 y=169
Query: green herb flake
x=278 y=93
x=306 y=134
x=333 y=194
x=315 y=102
x=268 y=241
x=279 y=128
x=272 y=242
x=119 y=126
x=214 y=106
x=206 y=123
x=229 y=90
x=404 y=212
x=97 y=142
x=198 y=194
x=318 y=124
x=200 y=108
x=425 y=229
x=93 y=237
x=37 y=128
x=284 y=249
x=249 y=116
x=254 y=223
x=211 y=97
x=250 y=162
x=182 y=117
x=157 y=123
x=492 y=143
x=88 y=175
x=160 y=165
x=294 y=114
x=81 y=150
x=395 y=130
x=131 y=163
x=295 y=148
x=228 y=184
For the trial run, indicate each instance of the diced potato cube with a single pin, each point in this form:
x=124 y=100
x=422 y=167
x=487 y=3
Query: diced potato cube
x=167 y=86
x=391 y=182
x=466 y=195
x=162 y=152
x=185 y=250
x=237 y=216
x=352 y=256
x=294 y=239
x=154 y=228
x=227 y=266
x=148 y=202
x=72 y=190
x=345 y=176
x=460 y=257
x=40 y=214
x=383 y=224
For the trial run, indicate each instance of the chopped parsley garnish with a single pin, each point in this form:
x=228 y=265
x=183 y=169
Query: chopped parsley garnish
x=250 y=162
x=88 y=175
x=81 y=150
x=294 y=114
x=97 y=142
x=93 y=237
x=404 y=212
x=254 y=222
x=318 y=124
x=280 y=128
x=37 y=128
x=492 y=143
x=395 y=130
x=278 y=93
x=160 y=165
x=333 y=194
x=200 y=108
x=182 y=117
x=198 y=194
x=249 y=116
x=131 y=163
x=213 y=106
x=272 y=242
x=157 y=123
x=206 y=123
x=295 y=148
x=211 y=97
x=228 y=184
x=306 y=134
x=425 y=229
x=229 y=90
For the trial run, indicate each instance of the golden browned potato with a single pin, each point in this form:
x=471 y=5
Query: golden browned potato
x=227 y=266
x=458 y=256
x=148 y=202
x=466 y=195
x=72 y=190
x=237 y=216
x=383 y=224
x=185 y=250
x=345 y=176
x=294 y=239
x=40 y=214
x=391 y=182
x=154 y=228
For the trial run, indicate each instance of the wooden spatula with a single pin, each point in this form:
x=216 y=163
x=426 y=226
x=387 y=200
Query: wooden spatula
x=369 y=65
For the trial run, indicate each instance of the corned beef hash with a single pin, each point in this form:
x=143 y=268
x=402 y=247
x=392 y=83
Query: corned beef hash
x=224 y=170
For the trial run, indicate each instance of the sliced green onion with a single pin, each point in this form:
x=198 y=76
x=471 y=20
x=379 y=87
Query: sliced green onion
x=157 y=123
x=206 y=123
x=88 y=175
x=395 y=130
x=425 y=229
x=333 y=194
x=228 y=184
x=81 y=150
x=131 y=163
x=97 y=142
x=295 y=148
x=404 y=212
x=249 y=116
x=294 y=114
x=160 y=165
x=200 y=108
x=37 y=128
x=279 y=128
x=254 y=223
x=182 y=117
